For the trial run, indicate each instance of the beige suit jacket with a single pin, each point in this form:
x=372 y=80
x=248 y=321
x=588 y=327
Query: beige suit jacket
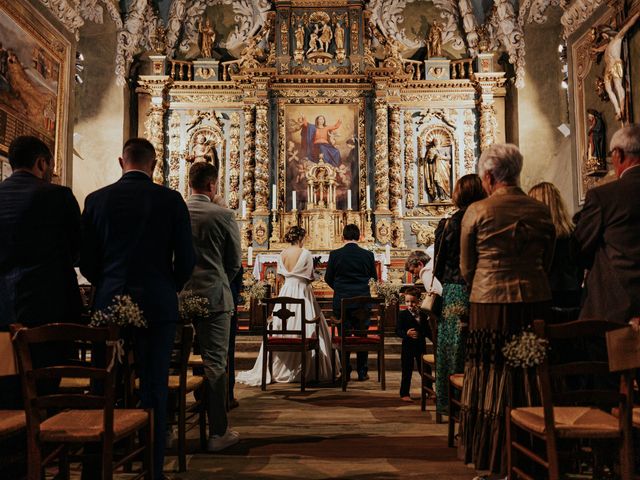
x=506 y=248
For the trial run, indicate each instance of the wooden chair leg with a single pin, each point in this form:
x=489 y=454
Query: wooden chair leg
x=438 y=416
x=344 y=369
x=382 y=371
x=510 y=451
x=318 y=363
x=63 y=464
x=107 y=461
x=34 y=459
x=182 y=434
x=303 y=373
x=378 y=365
x=148 y=451
x=203 y=416
x=452 y=423
x=333 y=365
x=265 y=353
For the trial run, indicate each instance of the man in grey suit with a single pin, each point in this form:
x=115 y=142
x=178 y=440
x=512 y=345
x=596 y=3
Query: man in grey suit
x=216 y=239
x=607 y=236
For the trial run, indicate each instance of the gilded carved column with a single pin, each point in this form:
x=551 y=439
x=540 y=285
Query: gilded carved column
x=154 y=132
x=262 y=160
x=234 y=161
x=249 y=156
x=486 y=85
x=469 y=142
x=395 y=160
x=409 y=158
x=381 y=158
x=488 y=125
x=174 y=152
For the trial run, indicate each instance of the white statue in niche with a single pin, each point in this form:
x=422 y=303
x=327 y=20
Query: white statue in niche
x=325 y=36
x=202 y=150
x=613 y=64
x=313 y=41
x=437 y=172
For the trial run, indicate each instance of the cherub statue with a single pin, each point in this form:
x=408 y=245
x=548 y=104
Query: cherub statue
x=434 y=40
x=208 y=37
x=611 y=50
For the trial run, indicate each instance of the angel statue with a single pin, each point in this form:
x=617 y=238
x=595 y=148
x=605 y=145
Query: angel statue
x=434 y=41
x=208 y=37
x=613 y=64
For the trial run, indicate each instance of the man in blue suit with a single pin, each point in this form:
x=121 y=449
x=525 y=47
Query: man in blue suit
x=137 y=242
x=348 y=273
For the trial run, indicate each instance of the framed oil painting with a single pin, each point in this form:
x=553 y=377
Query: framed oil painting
x=322 y=133
x=34 y=81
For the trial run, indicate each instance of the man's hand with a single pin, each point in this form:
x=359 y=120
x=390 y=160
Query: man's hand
x=411 y=333
x=635 y=324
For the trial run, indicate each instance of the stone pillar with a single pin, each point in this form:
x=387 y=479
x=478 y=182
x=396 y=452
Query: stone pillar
x=154 y=132
x=234 y=161
x=262 y=160
x=485 y=85
x=381 y=158
x=409 y=160
x=248 y=154
x=395 y=160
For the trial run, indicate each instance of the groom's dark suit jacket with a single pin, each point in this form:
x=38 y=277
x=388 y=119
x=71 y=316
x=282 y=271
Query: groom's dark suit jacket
x=348 y=273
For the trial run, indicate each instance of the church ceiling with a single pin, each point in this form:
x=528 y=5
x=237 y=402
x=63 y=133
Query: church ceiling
x=171 y=26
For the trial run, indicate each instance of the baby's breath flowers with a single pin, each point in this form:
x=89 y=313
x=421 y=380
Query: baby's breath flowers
x=123 y=311
x=525 y=350
x=455 y=309
x=193 y=308
x=390 y=292
x=254 y=289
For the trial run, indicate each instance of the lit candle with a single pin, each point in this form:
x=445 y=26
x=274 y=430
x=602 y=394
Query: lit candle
x=244 y=209
x=368 y=197
x=250 y=256
x=399 y=207
x=274 y=194
x=293 y=199
x=387 y=254
x=348 y=199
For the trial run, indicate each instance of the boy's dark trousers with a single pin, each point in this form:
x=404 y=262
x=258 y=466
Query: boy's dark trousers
x=410 y=355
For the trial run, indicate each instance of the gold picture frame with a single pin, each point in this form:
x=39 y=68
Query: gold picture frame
x=35 y=62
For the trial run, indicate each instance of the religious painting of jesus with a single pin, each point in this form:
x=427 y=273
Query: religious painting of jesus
x=326 y=133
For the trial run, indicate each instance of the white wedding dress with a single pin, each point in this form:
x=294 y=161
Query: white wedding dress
x=287 y=365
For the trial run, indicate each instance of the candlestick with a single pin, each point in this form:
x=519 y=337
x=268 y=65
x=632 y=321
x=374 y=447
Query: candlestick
x=349 y=200
x=399 y=207
x=250 y=256
x=368 y=197
x=274 y=194
x=293 y=199
x=244 y=209
x=387 y=253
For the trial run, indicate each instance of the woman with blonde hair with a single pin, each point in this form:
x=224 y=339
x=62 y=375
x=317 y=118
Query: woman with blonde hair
x=565 y=277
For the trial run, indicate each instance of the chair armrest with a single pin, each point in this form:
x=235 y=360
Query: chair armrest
x=315 y=320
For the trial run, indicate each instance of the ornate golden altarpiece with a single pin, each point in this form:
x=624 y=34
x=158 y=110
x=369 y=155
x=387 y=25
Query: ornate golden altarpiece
x=407 y=129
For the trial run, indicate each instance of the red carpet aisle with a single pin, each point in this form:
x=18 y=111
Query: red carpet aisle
x=361 y=434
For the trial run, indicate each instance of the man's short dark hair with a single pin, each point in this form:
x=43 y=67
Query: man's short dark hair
x=201 y=174
x=25 y=150
x=351 y=232
x=139 y=151
x=413 y=291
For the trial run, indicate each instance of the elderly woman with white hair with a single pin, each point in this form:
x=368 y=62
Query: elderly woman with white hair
x=506 y=248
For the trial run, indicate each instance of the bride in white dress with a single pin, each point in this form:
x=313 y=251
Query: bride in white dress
x=295 y=264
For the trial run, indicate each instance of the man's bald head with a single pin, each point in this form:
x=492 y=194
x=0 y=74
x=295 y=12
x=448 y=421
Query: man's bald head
x=138 y=154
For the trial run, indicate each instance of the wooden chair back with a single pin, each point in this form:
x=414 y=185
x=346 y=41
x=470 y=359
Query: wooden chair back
x=286 y=315
x=179 y=363
x=102 y=377
x=365 y=315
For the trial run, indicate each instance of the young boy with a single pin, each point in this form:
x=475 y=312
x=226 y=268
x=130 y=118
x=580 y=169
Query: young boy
x=413 y=328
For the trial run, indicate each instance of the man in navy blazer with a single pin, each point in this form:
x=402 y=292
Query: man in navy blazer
x=348 y=273
x=137 y=242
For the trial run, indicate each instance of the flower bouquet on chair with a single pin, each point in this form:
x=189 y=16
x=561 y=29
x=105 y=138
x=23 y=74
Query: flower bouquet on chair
x=193 y=308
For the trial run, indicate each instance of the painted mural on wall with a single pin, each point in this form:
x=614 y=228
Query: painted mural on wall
x=31 y=81
x=322 y=133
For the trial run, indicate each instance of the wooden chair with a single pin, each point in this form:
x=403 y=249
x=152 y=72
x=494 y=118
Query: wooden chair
x=569 y=416
x=366 y=335
x=428 y=370
x=180 y=385
x=59 y=423
x=456 y=381
x=278 y=337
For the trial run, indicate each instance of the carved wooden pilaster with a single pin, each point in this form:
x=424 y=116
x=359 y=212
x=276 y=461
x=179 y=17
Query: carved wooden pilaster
x=381 y=146
x=409 y=158
x=262 y=160
x=174 y=152
x=469 y=142
x=154 y=132
x=248 y=155
x=395 y=159
x=486 y=83
x=234 y=161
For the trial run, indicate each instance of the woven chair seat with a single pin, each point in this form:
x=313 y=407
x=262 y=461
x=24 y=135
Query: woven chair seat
x=429 y=358
x=75 y=383
x=569 y=421
x=77 y=426
x=457 y=380
x=368 y=340
x=635 y=419
x=195 y=360
x=291 y=341
x=11 y=421
x=193 y=382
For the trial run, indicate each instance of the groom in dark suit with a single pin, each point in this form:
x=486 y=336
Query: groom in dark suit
x=348 y=273
x=137 y=241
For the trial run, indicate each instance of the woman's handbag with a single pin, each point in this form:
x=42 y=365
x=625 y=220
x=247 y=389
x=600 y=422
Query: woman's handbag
x=432 y=301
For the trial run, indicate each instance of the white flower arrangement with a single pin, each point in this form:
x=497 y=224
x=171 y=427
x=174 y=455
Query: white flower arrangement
x=456 y=309
x=123 y=311
x=390 y=292
x=254 y=289
x=193 y=308
x=525 y=350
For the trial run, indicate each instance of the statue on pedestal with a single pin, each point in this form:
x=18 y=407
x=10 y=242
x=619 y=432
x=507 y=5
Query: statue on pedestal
x=437 y=173
x=434 y=41
x=207 y=39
